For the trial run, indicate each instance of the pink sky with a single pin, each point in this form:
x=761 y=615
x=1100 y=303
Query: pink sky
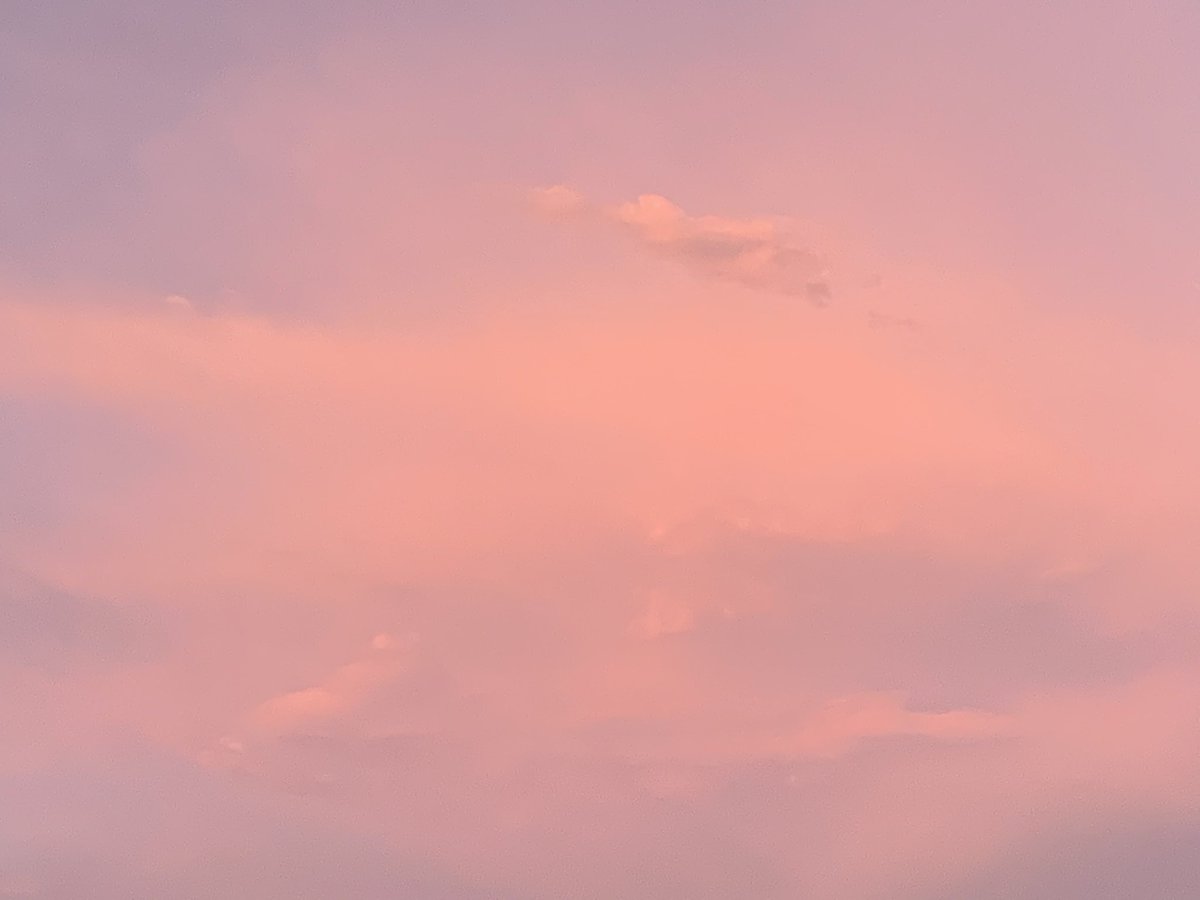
x=599 y=450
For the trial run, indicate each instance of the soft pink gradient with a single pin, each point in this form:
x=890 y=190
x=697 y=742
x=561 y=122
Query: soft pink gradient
x=648 y=470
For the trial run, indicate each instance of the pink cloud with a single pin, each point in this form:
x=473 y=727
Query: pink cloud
x=665 y=560
x=362 y=536
x=638 y=578
x=754 y=253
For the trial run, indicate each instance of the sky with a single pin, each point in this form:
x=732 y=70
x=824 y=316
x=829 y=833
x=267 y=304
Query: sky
x=627 y=450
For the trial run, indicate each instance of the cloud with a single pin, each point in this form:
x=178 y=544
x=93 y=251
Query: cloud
x=662 y=616
x=754 y=253
x=715 y=599
x=53 y=630
x=1107 y=856
x=829 y=730
x=346 y=688
x=837 y=585
x=846 y=721
x=178 y=301
x=559 y=200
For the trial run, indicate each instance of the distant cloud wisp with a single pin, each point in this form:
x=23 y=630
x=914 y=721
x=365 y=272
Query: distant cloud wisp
x=755 y=253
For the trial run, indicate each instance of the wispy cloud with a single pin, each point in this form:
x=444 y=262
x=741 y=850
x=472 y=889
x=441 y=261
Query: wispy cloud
x=756 y=253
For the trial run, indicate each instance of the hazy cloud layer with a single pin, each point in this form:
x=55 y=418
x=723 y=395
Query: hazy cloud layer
x=364 y=535
x=562 y=585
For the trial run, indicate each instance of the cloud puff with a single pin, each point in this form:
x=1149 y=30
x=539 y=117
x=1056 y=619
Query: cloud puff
x=755 y=253
x=346 y=688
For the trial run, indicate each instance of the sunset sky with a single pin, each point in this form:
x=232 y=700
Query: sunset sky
x=611 y=450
